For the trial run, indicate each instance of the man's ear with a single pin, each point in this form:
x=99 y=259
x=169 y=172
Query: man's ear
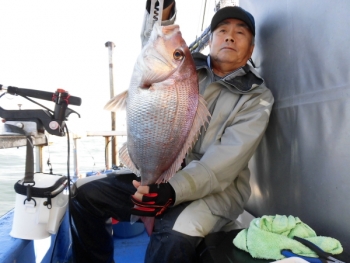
x=251 y=50
x=209 y=43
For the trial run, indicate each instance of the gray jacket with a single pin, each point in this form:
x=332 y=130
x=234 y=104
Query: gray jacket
x=217 y=167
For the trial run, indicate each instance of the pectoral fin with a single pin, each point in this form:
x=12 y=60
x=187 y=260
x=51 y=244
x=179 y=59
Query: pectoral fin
x=117 y=103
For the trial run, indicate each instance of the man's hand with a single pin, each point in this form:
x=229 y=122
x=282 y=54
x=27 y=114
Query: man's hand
x=152 y=200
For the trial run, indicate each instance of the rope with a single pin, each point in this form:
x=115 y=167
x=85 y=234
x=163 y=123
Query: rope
x=202 y=41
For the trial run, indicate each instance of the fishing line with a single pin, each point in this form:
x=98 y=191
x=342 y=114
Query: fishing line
x=200 y=19
x=87 y=149
x=48 y=151
x=69 y=193
x=33 y=101
x=202 y=41
x=203 y=15
x=69 y=181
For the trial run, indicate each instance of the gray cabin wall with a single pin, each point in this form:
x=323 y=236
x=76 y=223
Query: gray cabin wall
x=302 y=166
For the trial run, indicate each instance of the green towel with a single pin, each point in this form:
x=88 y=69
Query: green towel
x=268 y=235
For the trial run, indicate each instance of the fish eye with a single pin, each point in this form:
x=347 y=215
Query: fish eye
x=178 y=54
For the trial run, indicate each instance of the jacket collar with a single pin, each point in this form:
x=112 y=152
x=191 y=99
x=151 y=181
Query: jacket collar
x=242 y=79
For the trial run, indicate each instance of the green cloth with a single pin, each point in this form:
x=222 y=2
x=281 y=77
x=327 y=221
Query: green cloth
x=268 y=235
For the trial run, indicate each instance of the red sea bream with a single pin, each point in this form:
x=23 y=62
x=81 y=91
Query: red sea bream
x=163 y=107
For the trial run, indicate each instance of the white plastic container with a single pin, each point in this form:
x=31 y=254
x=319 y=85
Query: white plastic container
x=42 y=215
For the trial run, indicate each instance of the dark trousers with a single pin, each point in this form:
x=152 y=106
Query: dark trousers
x=93 y=205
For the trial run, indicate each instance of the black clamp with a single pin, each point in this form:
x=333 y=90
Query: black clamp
x=29 y=194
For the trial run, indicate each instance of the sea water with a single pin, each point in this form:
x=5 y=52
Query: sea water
x=91 y=157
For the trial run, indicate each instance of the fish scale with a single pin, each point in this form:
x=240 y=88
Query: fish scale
x=163 y=107
x=158 y=127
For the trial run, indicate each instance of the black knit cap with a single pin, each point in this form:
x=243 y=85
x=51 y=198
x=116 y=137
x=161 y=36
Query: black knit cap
x=235 y=12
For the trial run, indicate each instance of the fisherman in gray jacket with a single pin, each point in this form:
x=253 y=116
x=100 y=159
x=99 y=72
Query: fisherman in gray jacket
x=213 y=187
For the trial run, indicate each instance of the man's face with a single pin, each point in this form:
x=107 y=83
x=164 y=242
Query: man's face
x=231 y=43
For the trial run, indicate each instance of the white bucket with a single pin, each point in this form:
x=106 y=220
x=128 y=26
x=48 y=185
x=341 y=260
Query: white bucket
x=37 y=221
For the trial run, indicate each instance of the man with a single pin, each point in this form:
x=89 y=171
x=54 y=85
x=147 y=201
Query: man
x=213 y=188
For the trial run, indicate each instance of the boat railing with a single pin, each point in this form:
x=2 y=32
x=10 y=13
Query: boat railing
x=21 y=250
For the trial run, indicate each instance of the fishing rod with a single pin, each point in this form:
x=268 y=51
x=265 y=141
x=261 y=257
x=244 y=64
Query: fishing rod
x=203 y=40
x=51 y=121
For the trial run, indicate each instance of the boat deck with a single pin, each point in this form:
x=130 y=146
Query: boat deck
x=216 y=247
x=131 y=249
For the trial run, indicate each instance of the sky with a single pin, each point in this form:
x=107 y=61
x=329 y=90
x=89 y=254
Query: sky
x=47 y=44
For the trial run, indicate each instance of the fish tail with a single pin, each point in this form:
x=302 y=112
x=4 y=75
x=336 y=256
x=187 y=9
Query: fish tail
x=134 y=219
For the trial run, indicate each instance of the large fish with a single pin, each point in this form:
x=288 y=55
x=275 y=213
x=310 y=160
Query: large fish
x=164 y=109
